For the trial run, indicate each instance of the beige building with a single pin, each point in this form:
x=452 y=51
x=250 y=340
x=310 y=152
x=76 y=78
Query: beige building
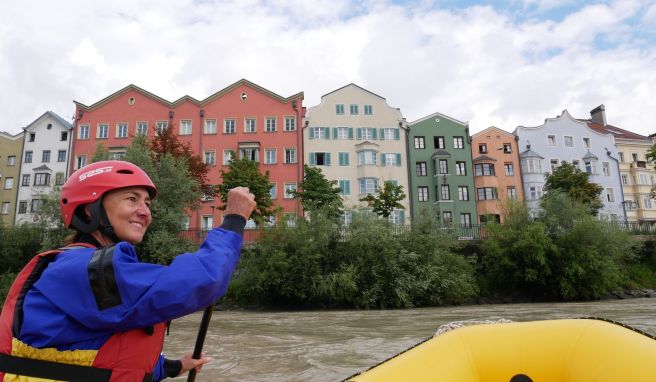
x=11 y=147
x=356 y=138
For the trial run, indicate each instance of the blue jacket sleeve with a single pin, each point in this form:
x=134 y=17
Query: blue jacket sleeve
x=158 y=370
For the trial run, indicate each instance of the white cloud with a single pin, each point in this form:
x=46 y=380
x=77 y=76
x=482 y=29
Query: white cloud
x=475 y=64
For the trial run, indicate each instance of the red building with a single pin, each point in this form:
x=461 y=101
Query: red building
x=243 y=119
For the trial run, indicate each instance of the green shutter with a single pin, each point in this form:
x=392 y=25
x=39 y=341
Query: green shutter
x=313 y=158
x=358 y=133
x=350 y=133
x=334 y=133
x=327 y=159
x=311 y=136
x=383 y=161
x=326 y=132
x=397 y=134
x=346 y=159
x=398 y=159
x=374 y=132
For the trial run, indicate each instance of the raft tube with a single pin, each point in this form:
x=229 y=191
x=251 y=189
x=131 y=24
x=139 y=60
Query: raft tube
x=572 y=350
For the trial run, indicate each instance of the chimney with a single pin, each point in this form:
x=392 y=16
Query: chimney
x=598 y=115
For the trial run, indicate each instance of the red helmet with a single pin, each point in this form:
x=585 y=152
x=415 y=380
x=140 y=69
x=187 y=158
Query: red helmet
x=89 y=183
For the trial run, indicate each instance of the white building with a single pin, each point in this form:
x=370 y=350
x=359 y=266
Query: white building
x=44 y=163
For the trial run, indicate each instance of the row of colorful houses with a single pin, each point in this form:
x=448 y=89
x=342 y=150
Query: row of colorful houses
x=353 y=135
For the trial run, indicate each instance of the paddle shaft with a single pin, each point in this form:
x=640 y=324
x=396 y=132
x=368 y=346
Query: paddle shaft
x=200 y=339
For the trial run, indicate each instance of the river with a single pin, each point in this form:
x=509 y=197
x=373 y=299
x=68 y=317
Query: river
x=333 y=345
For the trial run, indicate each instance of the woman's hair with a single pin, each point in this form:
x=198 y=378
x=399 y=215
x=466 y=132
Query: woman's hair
x=72 y=238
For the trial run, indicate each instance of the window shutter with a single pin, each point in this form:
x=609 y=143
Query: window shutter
x=326 y=132
x=397 y=134
x=350 y=133
x=327 y=156
x=358 y=133
x=346 y=159
x=401 y=216
x=373 y=132
x=313 y=158
x=334 y=133
x=383 y=160
x=398 y=159
x=311 y=133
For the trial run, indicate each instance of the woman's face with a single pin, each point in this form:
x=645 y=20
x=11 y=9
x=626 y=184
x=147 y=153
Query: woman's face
x=128 y=210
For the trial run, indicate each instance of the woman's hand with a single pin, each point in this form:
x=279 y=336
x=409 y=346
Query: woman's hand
x=189 y=363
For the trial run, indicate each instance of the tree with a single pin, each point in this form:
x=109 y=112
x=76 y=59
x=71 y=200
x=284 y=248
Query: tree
x=576 y=184
x=318 y=193
x=651 y=158
x=101 y=153
x=246 y=173
x=387 y=199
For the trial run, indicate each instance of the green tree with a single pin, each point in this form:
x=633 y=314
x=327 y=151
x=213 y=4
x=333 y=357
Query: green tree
x=101 y=153
x=386 y=200
x=49 y=220
x=576 y=184
x=246 y=173
x=317 y=192
x=651 y=158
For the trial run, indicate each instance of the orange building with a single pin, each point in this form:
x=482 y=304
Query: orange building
x=243 y=120
x=497 y=175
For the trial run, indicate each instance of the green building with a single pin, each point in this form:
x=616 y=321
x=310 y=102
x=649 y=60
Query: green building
x=441 y=176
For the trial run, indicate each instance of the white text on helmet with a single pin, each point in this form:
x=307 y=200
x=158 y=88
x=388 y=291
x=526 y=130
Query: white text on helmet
x=95 y=172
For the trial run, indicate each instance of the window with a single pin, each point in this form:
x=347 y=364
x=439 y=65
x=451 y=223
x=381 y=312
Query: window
x=511 y=192
x=206 y=222
x=270 y=125
x=576 y=163
x=344 y=159
x=36 y=205
x=343 y=133
x=32 y=137
x=45 y=156
x=465 y=220
x=422 y=193
x=458 y=143
x=229 y=126
x=367 y=133
x=368 y=185
x=250 y=224
x=551 y=140
x=185 y=127
x=484 y=169
x=83 y=132
x=354 y=109
x=443 y=166
x=25 y=182
x=319 y=133
x=116 y=155
x=446 y=217
x=9 y=183
x=289 y=190
x=553 y=163
x=508 y=169
x=251 y=153
x=586 y=142
x=634 y=156
x=122 y=130
x=290 y=123
x=210 y=126
x=250 y=125
x=5 y=208
x=269 y=156
x=445 y=193
x=273 y=191
x=531 y=165
x=420 y=143
x=210 y=158
x=610 y=195
x=534 y=192
x=625 y=180
x=320 y=159
x=64 y=136
x=41 y=179
x=486 y=193
x=367 y=158
x=590 y=166
x=80 y=161
x=647 y=202
x=345 y=187
x=22 y=207
x=397 y=216
x=391 y=159
x=59 y=178
x=28 y=156
x=438 y=142
x=421 y=169
x=463 y=193
x=228 y=156
x=290 y=155
x=390 y=134
x=368 y=110
x=482 y=148
x=461 y=168
x=142 y=128
x=61 y=156
x=11 y=160
x=605 y=167
x=569 y=141
x=160 y=126
x=339 y=109
x=507 y=148
x=103 y=131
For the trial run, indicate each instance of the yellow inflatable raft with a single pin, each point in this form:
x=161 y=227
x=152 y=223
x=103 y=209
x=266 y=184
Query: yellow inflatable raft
x=572 y=350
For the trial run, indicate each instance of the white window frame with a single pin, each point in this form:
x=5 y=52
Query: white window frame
x=270 y=124
x=209 y=126
x=250 y=125
x=367 y=158
x=289 y=188
x=209 y=157
x=422 y=193
x=122 y=130
x=229 y=126
x=605 y=168
x=185 y=127
x=228 y=155
x=290 y=155
x=102 y=131
x=290 y=123
x=80 y=161
x=568 y=140
x=551 y=140
x=141 y=128
x=83 y=132
x=342 y=132
x=270 y=156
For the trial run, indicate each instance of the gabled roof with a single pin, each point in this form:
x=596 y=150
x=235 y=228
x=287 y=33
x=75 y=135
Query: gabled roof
x=616 y=131
x=590 y=155
x=528 y=153
x=42 y=168
x=484 y=158
x=188 y=98
x=490 y=129
x=359 y=87
x=14 y=137
x=436 y=114
x=440 y=153
x=64 y=123
x=564 y=114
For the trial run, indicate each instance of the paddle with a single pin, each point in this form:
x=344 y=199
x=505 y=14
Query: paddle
x=200 y=339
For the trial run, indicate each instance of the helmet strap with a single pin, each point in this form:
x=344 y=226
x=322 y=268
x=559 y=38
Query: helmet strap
x=98 y=221
x=105 y=227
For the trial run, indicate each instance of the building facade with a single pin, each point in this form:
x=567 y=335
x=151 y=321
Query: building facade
x=11 y=149
x=241 y=120
x=565 y=138
x=357 y=139
x=442 y=173
x=497 y=175
x=44 y=163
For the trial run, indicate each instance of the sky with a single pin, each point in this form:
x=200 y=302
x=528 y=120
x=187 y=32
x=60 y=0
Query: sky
x=489 y=63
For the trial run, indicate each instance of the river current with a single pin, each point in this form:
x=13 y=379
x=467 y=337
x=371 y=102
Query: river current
x=333 y=345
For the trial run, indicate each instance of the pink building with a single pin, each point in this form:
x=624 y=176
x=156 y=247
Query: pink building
x=243 y=120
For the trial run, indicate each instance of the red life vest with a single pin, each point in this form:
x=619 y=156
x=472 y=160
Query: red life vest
x=130 y=355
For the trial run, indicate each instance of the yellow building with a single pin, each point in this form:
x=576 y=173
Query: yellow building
x=11 y=147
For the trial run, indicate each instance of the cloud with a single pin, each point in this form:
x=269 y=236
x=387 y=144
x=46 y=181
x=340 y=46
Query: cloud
x=474 y=63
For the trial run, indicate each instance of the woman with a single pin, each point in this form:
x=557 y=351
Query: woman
x=91 y=311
